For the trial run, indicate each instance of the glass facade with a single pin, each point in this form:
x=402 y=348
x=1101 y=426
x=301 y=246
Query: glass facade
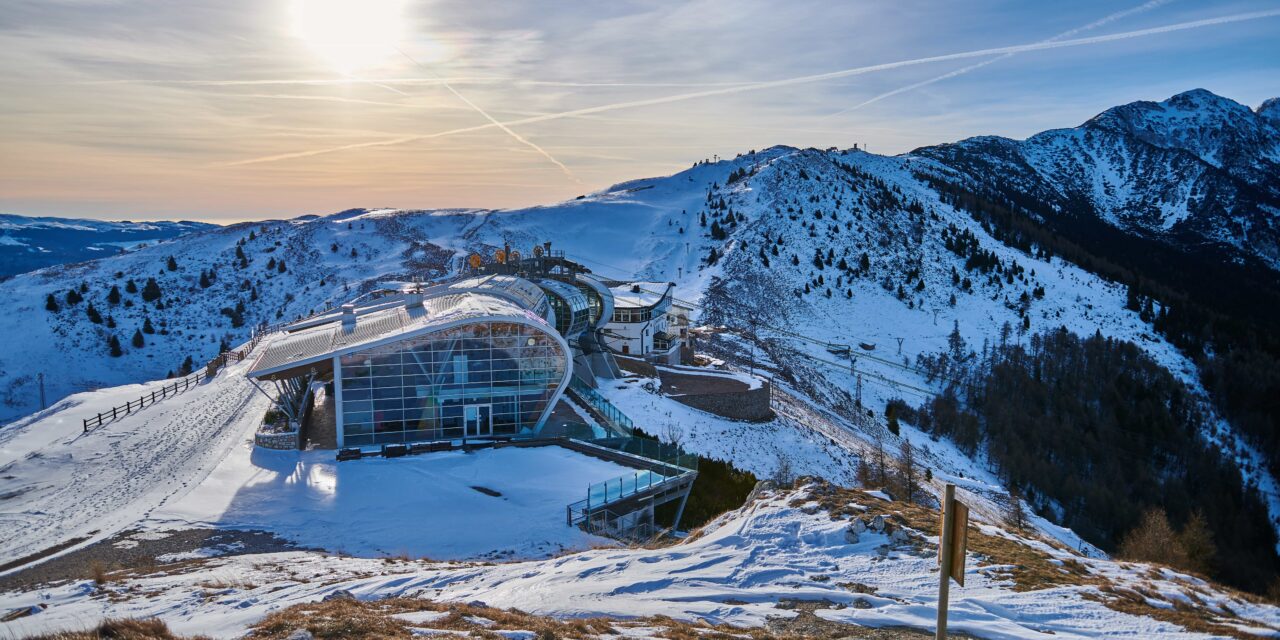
x=571 y=307
x=474 y=380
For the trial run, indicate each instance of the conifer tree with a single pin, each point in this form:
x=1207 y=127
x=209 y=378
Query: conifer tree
x=151 y=290
x=113 y=347
x=138 y=342
x=93 y=314
x=147 y=326
x=172 y=264
x=51 y=303
x=113 y=296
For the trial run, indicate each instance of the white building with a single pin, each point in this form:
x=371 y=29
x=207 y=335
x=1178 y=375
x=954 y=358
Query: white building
x=643 y=324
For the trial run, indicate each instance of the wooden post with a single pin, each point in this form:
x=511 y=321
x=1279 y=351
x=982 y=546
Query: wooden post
x=945 y=548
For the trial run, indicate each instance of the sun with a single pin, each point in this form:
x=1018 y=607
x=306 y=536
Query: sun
x=351 y=35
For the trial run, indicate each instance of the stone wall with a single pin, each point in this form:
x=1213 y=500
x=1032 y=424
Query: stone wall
x=636 y=366
x=751 y=404
x=285 y=441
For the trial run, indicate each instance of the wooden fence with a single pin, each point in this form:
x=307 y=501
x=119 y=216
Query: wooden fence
x=175 y=388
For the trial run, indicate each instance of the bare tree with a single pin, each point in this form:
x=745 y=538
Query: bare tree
x=1015 y=514
x=879 y=463
x=783 y=474
x=907 y=472
x=672 y=434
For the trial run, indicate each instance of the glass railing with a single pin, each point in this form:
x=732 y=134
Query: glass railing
x=616 y=419
x=667 y=454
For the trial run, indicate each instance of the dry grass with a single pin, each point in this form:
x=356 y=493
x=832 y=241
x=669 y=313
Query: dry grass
x=122 y=629
x=360 y=620
x=1030 y=570
x=98 y=572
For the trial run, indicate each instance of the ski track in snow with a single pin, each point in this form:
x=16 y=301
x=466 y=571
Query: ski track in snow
x=121 y=471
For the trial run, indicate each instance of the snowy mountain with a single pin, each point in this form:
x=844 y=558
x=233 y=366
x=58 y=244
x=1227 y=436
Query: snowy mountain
x=1197 y=171
x=792 y=249
x=27 y=244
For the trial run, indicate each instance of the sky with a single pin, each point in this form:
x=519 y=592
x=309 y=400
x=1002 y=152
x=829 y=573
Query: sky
x=230 y=110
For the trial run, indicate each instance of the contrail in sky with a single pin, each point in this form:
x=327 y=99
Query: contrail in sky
x=959 y=72
x=772 y=84
x=519 y=138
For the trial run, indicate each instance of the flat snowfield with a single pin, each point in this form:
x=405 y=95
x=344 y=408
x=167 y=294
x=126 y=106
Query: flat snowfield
x=419 y=506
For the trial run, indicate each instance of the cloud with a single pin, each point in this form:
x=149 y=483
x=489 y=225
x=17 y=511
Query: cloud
x=786 y=82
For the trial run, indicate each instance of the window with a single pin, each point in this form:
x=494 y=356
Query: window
x=416 y=389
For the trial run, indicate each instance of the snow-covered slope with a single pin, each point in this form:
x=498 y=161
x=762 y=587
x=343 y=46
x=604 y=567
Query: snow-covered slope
x=748 y=568
x=29 y=243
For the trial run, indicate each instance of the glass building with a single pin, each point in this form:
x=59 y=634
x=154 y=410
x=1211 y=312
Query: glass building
x=476 y=363
x=475 y=380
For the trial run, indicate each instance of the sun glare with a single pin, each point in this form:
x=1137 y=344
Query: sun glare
x=351 y=35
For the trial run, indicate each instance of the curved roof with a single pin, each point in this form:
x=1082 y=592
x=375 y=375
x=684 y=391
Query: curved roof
x=316 y=344
x=575 y=301
x=602 y=290
x=518 y=290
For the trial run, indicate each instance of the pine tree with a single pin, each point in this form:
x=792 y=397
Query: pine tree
x=51 y=303
x=113 y=347
x=891 y=417
x=73 y=296
x=113 y=296
x=138 y=342
x=131 y=286
x=280 y=266
x=271 y=264
x=151 y=290
x=111 y=321
x=147 y=327
x=93 y=314
x=172 y=264
x=204 y=280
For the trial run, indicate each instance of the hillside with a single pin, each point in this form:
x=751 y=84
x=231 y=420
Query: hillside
x=27 y=244
x=790 y=249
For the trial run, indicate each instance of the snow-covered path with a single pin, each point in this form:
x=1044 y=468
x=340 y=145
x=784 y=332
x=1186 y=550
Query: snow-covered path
x=72 y=484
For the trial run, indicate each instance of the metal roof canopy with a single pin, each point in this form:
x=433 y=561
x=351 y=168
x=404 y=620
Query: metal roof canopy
x=312 y=349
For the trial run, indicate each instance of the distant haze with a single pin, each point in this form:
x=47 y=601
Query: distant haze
x=231 y=110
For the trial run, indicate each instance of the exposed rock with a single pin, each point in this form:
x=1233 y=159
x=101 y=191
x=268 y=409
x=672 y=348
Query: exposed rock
x=340 y=594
